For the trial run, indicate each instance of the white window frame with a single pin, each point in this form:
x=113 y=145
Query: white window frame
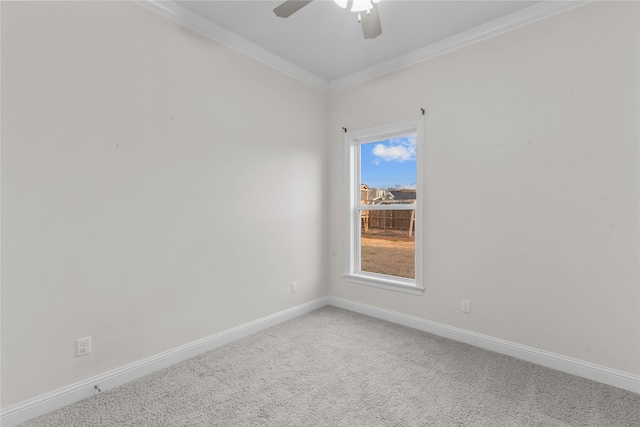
x=353 y=141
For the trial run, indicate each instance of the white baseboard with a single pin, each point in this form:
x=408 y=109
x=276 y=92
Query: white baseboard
x=60 y=398
x=602 y=374
x=73 y=393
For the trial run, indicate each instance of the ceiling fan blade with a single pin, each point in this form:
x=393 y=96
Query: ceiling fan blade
x=371 y=27
x=290 y=7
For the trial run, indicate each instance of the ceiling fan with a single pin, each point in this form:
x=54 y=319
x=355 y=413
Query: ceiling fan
x=370 y=19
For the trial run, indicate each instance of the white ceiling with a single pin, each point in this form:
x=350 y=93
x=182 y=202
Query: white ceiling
x=323 y=44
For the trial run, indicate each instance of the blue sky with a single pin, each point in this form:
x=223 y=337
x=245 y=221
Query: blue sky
x=389 y=163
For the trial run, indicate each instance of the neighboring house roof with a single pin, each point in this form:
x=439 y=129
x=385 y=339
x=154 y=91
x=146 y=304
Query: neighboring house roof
x=404 y=194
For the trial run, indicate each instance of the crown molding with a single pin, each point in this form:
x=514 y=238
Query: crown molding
x=177 y=13
x=493 y=28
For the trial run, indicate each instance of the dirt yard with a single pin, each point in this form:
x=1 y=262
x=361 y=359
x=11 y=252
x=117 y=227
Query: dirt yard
x=388 y=252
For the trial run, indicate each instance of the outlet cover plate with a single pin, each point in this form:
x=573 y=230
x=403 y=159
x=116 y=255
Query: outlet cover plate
x=83 y=346
x=466 y=306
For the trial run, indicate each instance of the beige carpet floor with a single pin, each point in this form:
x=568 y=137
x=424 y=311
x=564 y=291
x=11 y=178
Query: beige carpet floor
x=333 y=367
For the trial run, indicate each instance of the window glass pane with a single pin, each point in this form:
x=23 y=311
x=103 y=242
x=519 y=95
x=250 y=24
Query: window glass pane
x=388 y=171
x=388 y=177
x=387 y=242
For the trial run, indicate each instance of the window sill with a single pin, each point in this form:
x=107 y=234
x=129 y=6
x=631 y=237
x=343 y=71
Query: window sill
x=385 y=282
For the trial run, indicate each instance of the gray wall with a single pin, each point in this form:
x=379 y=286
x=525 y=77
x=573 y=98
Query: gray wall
x=531 y=182
x=157 y=188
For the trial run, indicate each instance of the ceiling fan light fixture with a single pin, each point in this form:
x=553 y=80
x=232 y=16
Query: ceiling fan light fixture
x=342 y=3
x=361 y=5
x=371 y=27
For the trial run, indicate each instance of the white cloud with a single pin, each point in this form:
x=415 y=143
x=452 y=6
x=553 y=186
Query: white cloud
x=398 y=149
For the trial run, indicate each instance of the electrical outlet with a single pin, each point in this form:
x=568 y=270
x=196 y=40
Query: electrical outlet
x=294 y=287
x=466 y=306
x=83 y=346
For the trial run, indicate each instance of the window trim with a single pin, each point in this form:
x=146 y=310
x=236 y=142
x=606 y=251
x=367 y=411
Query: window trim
x=352 y=142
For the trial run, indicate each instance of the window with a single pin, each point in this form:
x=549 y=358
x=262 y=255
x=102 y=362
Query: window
x=384 y=205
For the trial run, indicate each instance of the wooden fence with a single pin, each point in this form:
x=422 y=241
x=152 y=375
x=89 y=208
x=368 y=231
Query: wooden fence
x=388 y=220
